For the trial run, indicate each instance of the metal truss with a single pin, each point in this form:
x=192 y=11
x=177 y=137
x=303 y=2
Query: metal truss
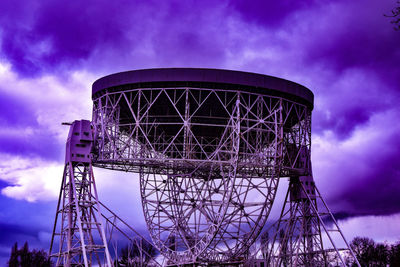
x=79 y=232
x=209 y=162
x=118 y=230
x=93 y=249
x=80 y=235
x=304 y=235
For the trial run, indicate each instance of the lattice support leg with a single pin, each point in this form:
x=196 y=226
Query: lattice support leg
x=301 y=236
x=81 y=234
x=78 y=228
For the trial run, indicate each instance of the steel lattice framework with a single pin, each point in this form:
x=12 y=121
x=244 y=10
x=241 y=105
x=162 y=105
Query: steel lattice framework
x=210 y=147
x=209 y=160
x=80 y=232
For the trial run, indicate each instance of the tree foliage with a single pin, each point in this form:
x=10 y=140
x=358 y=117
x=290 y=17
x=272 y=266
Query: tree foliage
x=369 y=253
x=395 y=14
x=138 y=253
x=394 y=255
x=24 y=258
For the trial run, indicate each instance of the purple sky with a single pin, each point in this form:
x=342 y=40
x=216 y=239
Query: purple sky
x=346 y=52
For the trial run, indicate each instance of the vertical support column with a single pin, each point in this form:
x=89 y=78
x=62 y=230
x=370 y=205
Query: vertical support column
x=186 y=124
x=307 y=233
x=298 y=235
x=81 y=237
x=236 y=136
x=279 y=138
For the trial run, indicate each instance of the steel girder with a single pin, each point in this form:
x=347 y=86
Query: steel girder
x=80 y=233
x=209 y=162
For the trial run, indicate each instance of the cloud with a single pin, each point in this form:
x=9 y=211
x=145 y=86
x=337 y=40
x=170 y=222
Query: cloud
x=52 y=35
x=56 y=40
x=28 y=141
x=361 y=174
x=10 y=230
x=34 y=109
x=15 y=110
x=35 y=180
x=379 y=228
x=362 y=36
x=120 y=191
x=30 y=179
x=348 y=101
x=22 y=221
x=268 y=13
x=346 y=53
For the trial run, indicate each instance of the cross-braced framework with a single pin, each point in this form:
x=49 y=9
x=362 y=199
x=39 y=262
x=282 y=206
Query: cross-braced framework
x=210 y=147
x=118 y=230
x=298 y=232
x=82 y=239
x=306 y=233
x=79 y=232
x=209 y=162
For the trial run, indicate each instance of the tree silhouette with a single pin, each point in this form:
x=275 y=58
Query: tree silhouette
x=14 y=261
x=362 y=248
x=394 y=255
x=369 y=253
x=25 y=258
x=137 y=253
x=265 y=244
x=380 y=255
x=396 y=16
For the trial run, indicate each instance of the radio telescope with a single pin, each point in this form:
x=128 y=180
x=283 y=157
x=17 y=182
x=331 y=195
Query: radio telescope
x=210 y=147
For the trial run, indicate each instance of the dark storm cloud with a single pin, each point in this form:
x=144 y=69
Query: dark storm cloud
x=190 y=34
x=377 y=190
x=363 y=44
x=350 y=100
x=362 y=38
x=335 y=37
x=343 y=118
x=361 y=175
x=268 y=13
x=60 y=36
x=56 y=34
x=3 y=184
x=10 y=231
x=22 y=222
x=20 y=133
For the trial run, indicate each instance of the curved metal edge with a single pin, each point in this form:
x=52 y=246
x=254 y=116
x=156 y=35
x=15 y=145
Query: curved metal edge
x=217 y=77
